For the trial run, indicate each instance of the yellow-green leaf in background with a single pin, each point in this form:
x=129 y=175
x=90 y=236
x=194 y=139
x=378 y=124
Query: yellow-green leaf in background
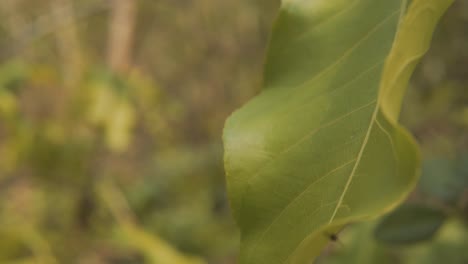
x=114 y=112
x=119 y=126
x=8 y=104
x=321 y=146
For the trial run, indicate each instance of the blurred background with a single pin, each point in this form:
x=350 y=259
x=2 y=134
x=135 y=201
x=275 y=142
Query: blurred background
x=111 y=114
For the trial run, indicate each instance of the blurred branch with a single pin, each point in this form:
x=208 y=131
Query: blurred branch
x=39 y=246
x=68 y=41
x=116 y=202
x=35 y=241
x=154 y=248
x=122 y=27
x=30 y=260
x=15 y=22
x=45 y=24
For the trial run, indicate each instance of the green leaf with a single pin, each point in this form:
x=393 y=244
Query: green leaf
x=445 y=178
x=449 y=246
x=321 y=146
x=409 y=224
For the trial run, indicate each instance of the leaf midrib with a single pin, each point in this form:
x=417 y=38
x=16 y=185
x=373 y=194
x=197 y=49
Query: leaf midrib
x=364 y=144
x=345 y=54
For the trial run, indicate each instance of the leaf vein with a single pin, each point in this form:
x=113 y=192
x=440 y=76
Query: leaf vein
x=298 y=196
x=308 y=135
x=350 y=50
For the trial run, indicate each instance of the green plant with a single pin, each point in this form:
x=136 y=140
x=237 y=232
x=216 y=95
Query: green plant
x=321 y=146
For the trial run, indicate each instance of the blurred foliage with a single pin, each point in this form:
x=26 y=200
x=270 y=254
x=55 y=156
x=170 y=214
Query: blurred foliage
x=126 y=167
x=409 y=224
x=147 y=138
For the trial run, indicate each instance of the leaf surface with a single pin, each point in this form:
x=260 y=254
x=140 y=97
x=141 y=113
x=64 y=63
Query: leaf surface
x=320 y=146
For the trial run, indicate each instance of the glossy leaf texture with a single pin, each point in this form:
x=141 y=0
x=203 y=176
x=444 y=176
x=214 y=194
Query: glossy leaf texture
x=320 y=147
